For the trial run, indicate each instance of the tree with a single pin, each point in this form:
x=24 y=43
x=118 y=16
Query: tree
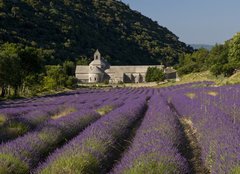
x=15 y=11
x=195 y=62
x=234 y=51
x=55 y=77
x=228 y=69
x=71 y=30
x=154 y=74
x=83 y=61
x=69 y=68
x=218 y=57
x=217 y=69
x=32 y=61
x=19 y=65
x=2 y=76
x=10 y=67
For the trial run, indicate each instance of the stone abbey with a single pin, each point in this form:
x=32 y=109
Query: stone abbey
x=100 y=71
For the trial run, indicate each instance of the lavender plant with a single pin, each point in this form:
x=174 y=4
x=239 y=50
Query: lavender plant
x=213 y=131
x=23 y=153
x=19 y=125
x=155 y=147
x=90 y=151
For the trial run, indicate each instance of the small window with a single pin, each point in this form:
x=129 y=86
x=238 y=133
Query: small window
x=95 y=79
x=96 y=57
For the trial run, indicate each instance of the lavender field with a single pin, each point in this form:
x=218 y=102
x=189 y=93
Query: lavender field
x=186 y=129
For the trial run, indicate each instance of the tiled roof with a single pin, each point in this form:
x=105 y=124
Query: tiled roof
x=82 y=69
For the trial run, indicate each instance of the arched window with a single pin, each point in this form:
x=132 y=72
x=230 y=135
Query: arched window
x=96 y=57
x=95 y=79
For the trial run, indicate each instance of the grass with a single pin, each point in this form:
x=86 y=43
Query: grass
x=73 y=164
x=35 y=94
x=8 y=164
x=17 y=128
x=192 y=137
x=191 y=95
x=105 y=110
x=236 y=170
x=212 y=93
x=205 y=76
x=63 y=113
x=81 y=162
x=47 y=137
x=194 y=77
x=2 y=119
x=94 y=145
x=234 y=79
x=13 y=130
x=151 y=167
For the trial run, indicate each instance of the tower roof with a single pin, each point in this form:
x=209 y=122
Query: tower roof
x=98 y=61
x=97 y=52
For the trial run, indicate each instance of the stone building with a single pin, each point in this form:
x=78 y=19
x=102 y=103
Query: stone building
x=100 y=71
x=170 y=73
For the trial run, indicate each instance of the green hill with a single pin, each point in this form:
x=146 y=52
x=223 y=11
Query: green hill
x=75 y=28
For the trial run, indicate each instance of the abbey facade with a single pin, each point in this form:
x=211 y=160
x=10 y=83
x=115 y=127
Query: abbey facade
x=100 y=71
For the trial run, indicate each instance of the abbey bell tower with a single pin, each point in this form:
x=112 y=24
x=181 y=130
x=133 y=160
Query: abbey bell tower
x=97 y=55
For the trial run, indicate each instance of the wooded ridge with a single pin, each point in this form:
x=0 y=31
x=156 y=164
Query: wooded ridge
x=74 y=29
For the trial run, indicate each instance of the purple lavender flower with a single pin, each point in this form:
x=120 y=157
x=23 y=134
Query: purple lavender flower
x=155 y=147
x=216 y=134
x=90 y=151
x=25 y=152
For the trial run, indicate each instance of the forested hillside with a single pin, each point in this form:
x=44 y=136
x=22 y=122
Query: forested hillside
x=73 y=29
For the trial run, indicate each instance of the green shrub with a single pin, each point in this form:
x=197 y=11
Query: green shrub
x=71 y=82
x=154 y=74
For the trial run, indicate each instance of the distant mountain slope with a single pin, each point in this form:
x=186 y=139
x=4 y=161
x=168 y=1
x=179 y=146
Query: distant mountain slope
x=75 y=28
x=198 y=46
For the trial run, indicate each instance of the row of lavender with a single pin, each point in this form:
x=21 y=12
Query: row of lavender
x=225 y=98
x=212 y=129
x=157 y=146
x=24 y=153
x=93 y=150
x=16 y=121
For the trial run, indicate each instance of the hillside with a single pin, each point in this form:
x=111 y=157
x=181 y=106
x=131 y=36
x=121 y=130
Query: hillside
x=205 y=76
x=75 y=28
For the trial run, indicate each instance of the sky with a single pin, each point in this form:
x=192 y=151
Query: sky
x=194 y=21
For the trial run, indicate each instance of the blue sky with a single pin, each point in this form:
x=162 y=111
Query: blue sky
x=194 y=21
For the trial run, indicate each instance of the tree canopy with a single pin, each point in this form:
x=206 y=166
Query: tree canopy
x=73 y=29
x=24 y=67
x=222 y=59
x=234 y=51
